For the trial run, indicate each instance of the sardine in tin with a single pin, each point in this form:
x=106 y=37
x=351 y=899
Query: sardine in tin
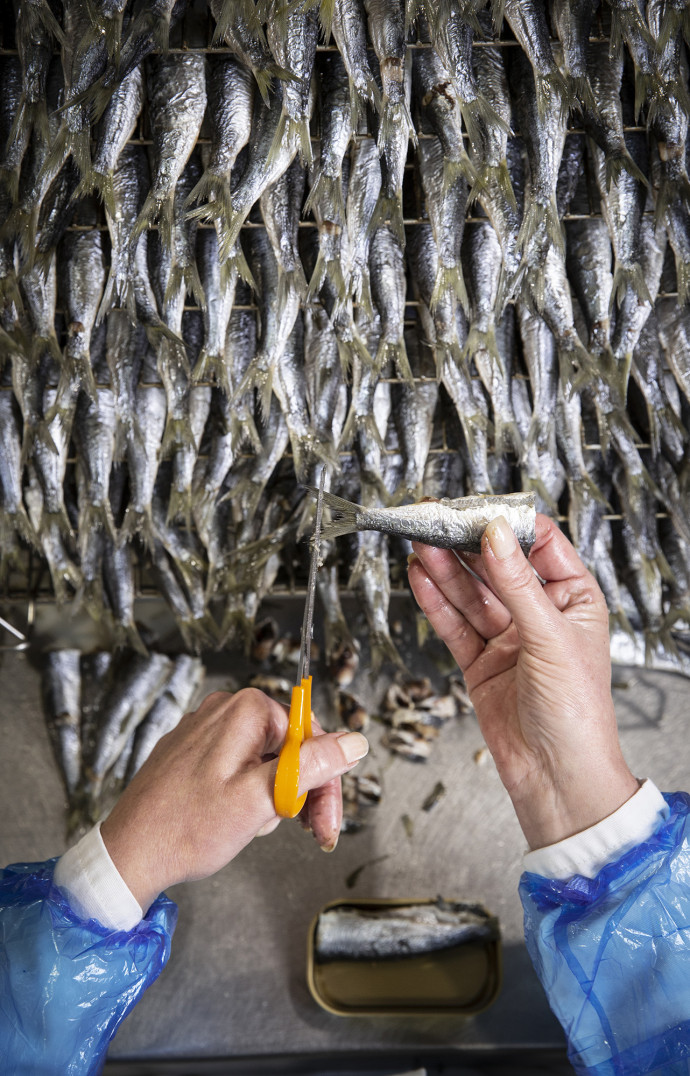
x=459 y=980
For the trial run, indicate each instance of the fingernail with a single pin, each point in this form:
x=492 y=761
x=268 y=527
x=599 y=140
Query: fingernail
x=330 y=847
x=353 y=745
x=501 y=538
x=411 y=558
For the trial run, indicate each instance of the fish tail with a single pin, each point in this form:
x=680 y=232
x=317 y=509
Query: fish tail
x=77 y=364
x=59 y=151
x=211 y=368
x=66 y=580
x=497 y=7
x=41 y=13
x=359 y=286
x=211 y=196
x=347 y=515
x=33 y=433
x=327 y=267
x=189 y=276
x=176 y=434
x=388 y=210
x=236 y=262
x=450 y=282
x=383 y=651
x=352 y=349
x=58 y=521
x=507 y=437
x=118 y=292
x=24 y=527
x=257 y=376
x=138 y=523
x=22 y=225
x=126 y=636
x=535 y=483
x=237 y=629
x=180 y=507
x=94 y=517
x=627 y=277
x=155 y=209
x=103 y=184
x=478 y=116
x=554 y=84
x=540 y=228
x=290 y=131
x=330 y=190
x=582 y=90
x=395 y=352
x=244 y=431
x=165 y=341
x=229 y=231
x=683 y=281
x=618 y=619
x=498 y=176
x=484 y=340
x=457 y=168
x=292 y=282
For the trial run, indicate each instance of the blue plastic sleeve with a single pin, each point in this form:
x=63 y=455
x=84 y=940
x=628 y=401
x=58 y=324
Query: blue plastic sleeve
x=66 y=984
x=613 y=954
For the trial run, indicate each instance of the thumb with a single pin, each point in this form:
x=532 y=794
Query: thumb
x=322 y=758
x=514 y=581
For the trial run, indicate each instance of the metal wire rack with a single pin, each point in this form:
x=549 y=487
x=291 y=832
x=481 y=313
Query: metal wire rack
x=31 y=580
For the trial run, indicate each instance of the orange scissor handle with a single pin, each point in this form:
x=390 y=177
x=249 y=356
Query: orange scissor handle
x=285 y=797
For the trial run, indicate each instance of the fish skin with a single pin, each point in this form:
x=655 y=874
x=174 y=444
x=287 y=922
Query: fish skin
x=446 y=203
x=114 y=132
x=263 y=167
x=674 y=333
x=220 y=298
x=588 y=262
x=130 y=180
x=184 y=460
x=28 y=381
x=289 y=385
x=38 y=289
x=247 y=42
x=185 y=679
x=349 y=29
x=362 y=196
x=14 y=136
x=482 y=261
x=359 y=933
x=665 y=428
x=81 y=267
x=124 y=346
x=94 y=431
x=389 y=289
x=230 y=93
x=183 y=269
x=281 y=206
x=276 y=326
x=581 y=487
x=96 y=670
x=176 y=95
x=489 y=157
x=573 y=22
x=539 y=461
x=413 y=409
x=35 y=42
x=13 y=517
x=143 y=453
x=622 y=202
x=370 y=579
x=433 y=93
x=61 y=690
x=120 y=587
x=50 y=459
x=449 y=524
x=292 y=38
x=136 y=688
x=387 y=31
x=527 y=20
x=635 y=308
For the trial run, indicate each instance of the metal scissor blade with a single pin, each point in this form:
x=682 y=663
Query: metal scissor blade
x=308 y=622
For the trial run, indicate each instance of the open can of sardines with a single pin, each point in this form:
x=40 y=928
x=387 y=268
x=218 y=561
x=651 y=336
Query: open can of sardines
x=381 y=957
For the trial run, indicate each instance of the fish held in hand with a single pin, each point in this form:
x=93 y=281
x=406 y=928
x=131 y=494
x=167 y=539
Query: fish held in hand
x=449 y=523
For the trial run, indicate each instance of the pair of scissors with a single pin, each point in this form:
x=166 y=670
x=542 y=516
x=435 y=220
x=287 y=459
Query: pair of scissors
x=285 y=790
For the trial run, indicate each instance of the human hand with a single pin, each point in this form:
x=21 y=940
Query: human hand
x=536 y=662
x=206 y=791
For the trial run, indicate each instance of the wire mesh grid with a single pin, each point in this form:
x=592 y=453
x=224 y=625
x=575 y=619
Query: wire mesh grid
x=31 y=580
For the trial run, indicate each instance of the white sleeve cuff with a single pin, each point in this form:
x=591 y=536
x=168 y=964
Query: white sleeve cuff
x=587 y=852
x=93 y=885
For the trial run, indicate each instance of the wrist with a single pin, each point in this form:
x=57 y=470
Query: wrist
x=549 y=812
x=136 y=868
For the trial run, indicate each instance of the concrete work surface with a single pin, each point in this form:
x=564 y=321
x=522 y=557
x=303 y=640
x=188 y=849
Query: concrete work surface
x=235 y=986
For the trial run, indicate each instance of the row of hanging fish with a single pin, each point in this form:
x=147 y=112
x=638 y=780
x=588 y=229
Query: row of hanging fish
x=105 y=713
x=429 y=261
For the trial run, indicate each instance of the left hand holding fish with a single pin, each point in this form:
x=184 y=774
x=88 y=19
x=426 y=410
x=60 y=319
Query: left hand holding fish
x=537 y=666
x=206 y=791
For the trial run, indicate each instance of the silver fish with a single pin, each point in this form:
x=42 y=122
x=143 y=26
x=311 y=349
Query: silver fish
x=94 y=430
x=82 y=274
x=362 y=196
x=292 y=37
x=137 y=686
x=13 y=517
x=389 y=288
x=281 y=205
x=361 y=932
x=349 y=31
x=449 y=524
x=115 y=130
x=164 y=715
x=61 y=684
x=176 y=93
